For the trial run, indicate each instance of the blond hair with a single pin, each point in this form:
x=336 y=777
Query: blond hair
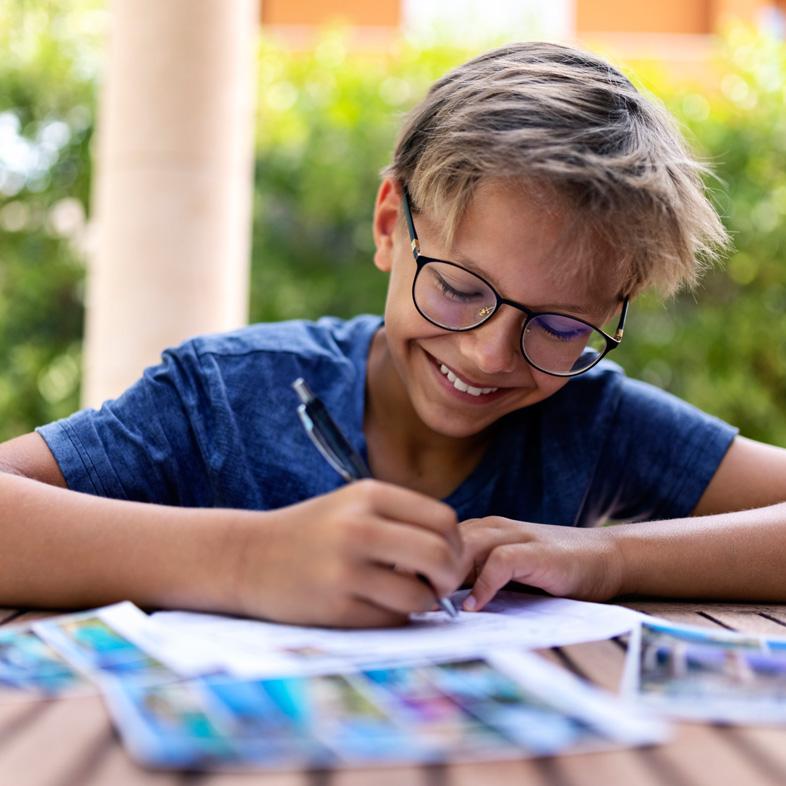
x=557 y=118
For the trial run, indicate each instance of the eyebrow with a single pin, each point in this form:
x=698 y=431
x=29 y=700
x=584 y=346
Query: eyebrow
x=460 y=259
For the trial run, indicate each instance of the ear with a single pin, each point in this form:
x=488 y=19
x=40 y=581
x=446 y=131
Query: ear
x=386 y=223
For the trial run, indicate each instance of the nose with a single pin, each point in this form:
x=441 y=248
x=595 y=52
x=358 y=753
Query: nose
x=493 y=348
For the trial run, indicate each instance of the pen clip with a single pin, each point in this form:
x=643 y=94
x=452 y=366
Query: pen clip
x=322 y=446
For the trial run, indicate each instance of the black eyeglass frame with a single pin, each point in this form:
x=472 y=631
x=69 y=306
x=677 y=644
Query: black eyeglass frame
x=421 y=260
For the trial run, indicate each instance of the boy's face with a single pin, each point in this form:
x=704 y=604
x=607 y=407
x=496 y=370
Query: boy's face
x=510 y=240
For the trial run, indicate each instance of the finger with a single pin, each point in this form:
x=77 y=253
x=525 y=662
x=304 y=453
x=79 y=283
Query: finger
x=412 y=550
x=411 y=507
x=402 y=593
x=501 y=566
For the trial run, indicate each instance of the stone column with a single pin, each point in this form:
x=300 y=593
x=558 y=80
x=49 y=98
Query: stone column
x=172 y=188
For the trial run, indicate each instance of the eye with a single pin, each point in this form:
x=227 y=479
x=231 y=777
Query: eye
x=453 y=293
x=562 y=328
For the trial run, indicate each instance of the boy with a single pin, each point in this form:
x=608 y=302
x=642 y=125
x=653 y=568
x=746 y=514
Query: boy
x=532 y=195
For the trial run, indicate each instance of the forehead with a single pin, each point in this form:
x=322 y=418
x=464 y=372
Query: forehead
x=530 y=243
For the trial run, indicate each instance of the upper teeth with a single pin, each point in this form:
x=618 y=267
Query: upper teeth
x=461 y=385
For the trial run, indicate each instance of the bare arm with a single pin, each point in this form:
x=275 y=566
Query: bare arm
x=325 y=561
x=734 y=547
x=60 y=548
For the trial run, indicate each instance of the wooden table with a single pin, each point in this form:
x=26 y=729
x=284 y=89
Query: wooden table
x=71 y=743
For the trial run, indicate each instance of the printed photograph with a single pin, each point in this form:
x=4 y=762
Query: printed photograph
x=723 y=676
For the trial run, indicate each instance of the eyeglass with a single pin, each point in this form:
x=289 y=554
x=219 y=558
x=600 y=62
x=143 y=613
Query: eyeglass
x=454 y=298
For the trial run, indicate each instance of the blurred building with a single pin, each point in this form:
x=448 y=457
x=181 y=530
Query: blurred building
x=675 y=17
x=669 y=28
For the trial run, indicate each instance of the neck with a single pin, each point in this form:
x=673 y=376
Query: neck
x=401 y=447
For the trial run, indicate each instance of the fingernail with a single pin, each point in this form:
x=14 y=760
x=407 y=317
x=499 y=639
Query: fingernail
x=469 y=603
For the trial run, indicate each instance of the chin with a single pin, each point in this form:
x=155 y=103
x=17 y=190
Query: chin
x=454 y=424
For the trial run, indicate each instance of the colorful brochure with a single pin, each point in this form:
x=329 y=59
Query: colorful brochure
x=31 y=669
x=510 y=705
x=705 y=674
x=121 y=641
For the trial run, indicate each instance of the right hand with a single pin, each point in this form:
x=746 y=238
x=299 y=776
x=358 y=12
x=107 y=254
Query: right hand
x=348 y=558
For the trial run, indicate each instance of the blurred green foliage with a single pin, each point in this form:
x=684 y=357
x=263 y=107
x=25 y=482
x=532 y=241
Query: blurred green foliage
x=723 y=347
x=47 y=88
x=327 y=123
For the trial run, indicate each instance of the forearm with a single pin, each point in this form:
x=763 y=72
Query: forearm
x=732 y=556
x=62 y=549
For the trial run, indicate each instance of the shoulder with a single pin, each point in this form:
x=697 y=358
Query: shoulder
x=252 y=363
x=602 y=385
x=607 y=385
x=606 y=404
x=326 y=337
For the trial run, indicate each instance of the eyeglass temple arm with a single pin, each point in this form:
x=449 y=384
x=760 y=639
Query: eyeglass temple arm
x=413 y=235
x=621 y=324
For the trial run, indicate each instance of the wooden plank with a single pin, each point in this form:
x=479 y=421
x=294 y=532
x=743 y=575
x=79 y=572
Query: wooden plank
x=689 y=617
x=776 y=615
x=601 y=663
x=494 y=773
x=6 y=615
x=19 y=718
x=768 y=745
x=384 y=776
x=259 y=779
x=746 y=621
x=706 y=754
x=659 y=607
x=104 y=761
x=59 y=738
x=611 y=767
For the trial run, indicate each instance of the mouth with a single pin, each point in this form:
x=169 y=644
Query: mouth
x=463 y=388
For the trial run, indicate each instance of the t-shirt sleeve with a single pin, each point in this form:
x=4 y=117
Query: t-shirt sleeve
x=142 y=446
x=659 y=456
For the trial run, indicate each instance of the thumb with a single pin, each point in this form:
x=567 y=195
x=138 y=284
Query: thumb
x=497 y=571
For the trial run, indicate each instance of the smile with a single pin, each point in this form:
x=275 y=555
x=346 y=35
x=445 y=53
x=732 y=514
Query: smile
x=463 y=386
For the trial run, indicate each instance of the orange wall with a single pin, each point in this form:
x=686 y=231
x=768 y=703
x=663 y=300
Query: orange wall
x=665 y=16
x=624 y=16
x=386 y=13
x=592 y=16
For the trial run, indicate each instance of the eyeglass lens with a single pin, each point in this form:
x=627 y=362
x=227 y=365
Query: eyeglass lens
x=457 y=299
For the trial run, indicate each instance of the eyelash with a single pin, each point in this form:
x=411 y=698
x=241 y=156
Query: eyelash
x=562 y=336
x=454 y=294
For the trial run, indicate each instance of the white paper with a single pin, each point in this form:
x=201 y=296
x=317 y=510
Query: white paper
x=254 y=648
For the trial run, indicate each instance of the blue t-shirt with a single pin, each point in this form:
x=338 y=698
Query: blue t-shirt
x=215 y=425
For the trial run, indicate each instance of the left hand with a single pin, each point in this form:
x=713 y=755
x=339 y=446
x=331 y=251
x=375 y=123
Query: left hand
x=566 y=561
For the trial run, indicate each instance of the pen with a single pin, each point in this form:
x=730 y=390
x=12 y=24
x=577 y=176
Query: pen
x=337 y=451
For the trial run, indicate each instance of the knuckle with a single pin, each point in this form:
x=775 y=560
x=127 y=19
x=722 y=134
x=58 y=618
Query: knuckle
x=446 y=517
x=442 y=553
x=367 y=489
x=500 y=559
